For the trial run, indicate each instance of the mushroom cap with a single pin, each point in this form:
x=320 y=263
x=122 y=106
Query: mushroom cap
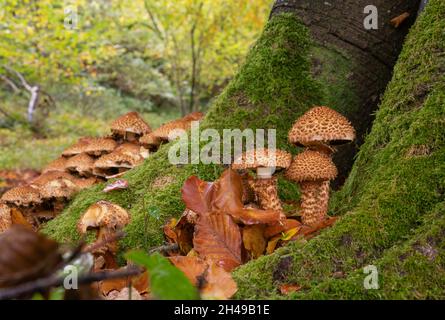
x=182 y=124
x=57 y=165
x=130 y=122
x=78 y=147
x=86 y=183
x=194 y=116
x=5 y=217
x=262 y=158
x=80 y=163
x=150 y=140
x=97 y=146
x=55 y=184
x=22 y=196
x=321 y=125
x=311 y=166
x=103 y=214
x=127 y=155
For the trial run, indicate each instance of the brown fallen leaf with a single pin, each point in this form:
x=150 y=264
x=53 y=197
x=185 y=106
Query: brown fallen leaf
x=272 y=244
x=124 y=294
x=218 y=238
x=310 y=232
x=197 y=195
x=254 y=241
x=228 y=198
x=18 y=218
x=169 y=232
x=286 y=289
x=26 y=256
x=117 y=185
x=212 y=280
x=140 y=283
x=275 y=229
x=397 y=21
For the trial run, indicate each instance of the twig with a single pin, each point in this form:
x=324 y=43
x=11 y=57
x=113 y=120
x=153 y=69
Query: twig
x=10 y=83
x=52 y=281
x=115 y=237
x=165 y=248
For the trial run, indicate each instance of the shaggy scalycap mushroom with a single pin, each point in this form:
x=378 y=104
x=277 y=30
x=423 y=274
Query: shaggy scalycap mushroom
x=313 y=170
x=24 y=196
x=321 y=125
x=265 y=162
x=77 y=148
x=130 y=126
x=103 y=214
x=184 y=123
x=82 y=164
x=57 y=165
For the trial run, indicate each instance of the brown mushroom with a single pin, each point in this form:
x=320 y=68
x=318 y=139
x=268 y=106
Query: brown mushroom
x=26 y=199
x=130 y=127
x=125 y=157
x=150 y=141
x=81 y=164
x=77 y=148
x=106 y=218
x=11 y=216
x=322 y=128
x=313 y=170
x=266 y=162
x=184 y=123
x=57 y=165
x=97 y=147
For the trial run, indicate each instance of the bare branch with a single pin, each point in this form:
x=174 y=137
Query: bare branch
x=156 y=27
x=10 y=83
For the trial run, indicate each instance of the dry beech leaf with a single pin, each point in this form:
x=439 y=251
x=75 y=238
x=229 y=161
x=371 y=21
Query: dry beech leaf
x=169 y=232
x=228 y=198
x=219 y=284
x=254 y=241
x=139 y=282
x=184 y=231
x=272 y=244
x=275 y=229
x=218 y=238
x=310 y=232
x=117 y=185
x=286 y=289
x=106 y=286
x=287 y=236
x=18 y=218
x=215 y=282
x=26 y=256
x=124 y=294
x=197 y=195
x=397 y=21
x=193 y=267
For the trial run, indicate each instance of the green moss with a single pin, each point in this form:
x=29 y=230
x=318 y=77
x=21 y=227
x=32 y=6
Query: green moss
x=397 y=181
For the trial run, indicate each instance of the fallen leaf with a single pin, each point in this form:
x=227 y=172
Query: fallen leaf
x=117 y=185
x=192 y=267
x=309 y=232
x=275 y=229
x=219 y=284
x=286 y=289
x=139 y=282
x=254 y=241
x=169 y=232
x=272 y=244
x=18 y=218
x=218 y=238
x=397 y=21
x=286 y=236
x=184 y=232
x=124 y=294
x=197 y=195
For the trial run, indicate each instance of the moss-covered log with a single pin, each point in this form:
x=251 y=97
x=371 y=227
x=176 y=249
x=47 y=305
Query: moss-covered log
x=392 y=204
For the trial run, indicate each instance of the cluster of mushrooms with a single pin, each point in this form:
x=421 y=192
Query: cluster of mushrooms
x=87 y=162
x=318 y=131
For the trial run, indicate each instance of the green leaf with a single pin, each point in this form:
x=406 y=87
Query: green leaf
x=166 y=281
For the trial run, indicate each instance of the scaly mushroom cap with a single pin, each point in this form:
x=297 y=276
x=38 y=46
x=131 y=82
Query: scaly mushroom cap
x=127 y=155
x=81 y=163
x=150 y=140
x=130 y=122
x=57 y=165
x=321 y=125
x=99 y=146
x=77 y=148
x=55 y=184
x=5 y=218
x=22 y=196
x=103 y=214
x=184 y=123
x=311 y=166
x=86 y=183
x=262 y=158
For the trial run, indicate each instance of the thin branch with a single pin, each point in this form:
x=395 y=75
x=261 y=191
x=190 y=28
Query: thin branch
x=10 y=83
x=156 y=27
x=53 y=281
x=20 y=76
x=165 y=248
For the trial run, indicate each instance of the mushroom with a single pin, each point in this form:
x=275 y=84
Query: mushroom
x=266 y=162
x=163 y=132
x=97 y=147
x=55 y=189
x=129 y=127
x=150 y=141
x=107 y=218
x=125 y=157
x=313 y=171
x=5 y=217
x=26 y=199
x=320 y=129
x=81 y=164
x=57 y=165
x=77 y=148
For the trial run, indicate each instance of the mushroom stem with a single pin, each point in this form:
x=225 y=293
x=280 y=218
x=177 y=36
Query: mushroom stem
x=267 y=193
x=314 y=201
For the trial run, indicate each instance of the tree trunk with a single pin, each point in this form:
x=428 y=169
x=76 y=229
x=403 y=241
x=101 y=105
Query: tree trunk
x=287 y=71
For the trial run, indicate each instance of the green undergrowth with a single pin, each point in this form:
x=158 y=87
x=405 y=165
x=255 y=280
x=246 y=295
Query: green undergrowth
x=272 y=89
x=391 y=199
